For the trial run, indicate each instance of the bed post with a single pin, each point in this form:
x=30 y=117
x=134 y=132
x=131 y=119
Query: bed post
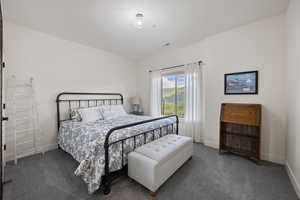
x=122 y=99
x=58 y=117
x=107 y=179
x=58 y=113
x=177 y=123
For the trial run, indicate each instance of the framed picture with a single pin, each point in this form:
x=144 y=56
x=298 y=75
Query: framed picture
x=241 y=83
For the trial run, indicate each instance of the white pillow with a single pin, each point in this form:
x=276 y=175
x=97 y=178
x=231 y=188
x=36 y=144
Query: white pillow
x=112 y=111
x=90 y=114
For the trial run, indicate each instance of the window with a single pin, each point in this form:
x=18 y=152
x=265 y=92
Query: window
x=173 y=88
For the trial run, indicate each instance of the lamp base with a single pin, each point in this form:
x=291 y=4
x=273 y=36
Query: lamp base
x=135 y=107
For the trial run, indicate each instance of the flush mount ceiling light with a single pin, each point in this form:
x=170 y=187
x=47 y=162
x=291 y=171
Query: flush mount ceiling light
x=166 y=44
x=139 y=20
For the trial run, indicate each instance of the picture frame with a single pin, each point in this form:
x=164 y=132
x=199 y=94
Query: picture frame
x=241 y=83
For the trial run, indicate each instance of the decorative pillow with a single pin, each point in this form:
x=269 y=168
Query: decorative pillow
x=90 y=114
x=112 y=111
x=75 y=116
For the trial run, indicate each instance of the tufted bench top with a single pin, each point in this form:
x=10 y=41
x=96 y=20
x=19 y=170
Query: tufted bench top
x=164 y=148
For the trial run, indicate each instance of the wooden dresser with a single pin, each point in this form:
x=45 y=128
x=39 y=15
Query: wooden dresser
x=240 y=126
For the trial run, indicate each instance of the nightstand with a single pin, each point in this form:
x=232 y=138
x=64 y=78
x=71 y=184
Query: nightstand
x=137 y=113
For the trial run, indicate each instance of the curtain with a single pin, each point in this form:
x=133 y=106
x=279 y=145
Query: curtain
x=193 y=101
x=155 y=98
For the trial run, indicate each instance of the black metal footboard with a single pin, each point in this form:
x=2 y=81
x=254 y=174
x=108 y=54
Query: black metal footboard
x=110 y=176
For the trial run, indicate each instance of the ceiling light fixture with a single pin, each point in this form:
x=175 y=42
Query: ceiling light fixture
x=166 y=44
x=139 y=20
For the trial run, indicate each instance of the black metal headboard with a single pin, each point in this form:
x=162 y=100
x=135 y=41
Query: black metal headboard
x=72 y=100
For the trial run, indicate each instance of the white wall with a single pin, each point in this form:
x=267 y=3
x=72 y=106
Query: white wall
x=257 y=46
x=293 y=92
x=58 y=65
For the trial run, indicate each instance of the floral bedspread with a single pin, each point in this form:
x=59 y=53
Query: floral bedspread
x=85 y=142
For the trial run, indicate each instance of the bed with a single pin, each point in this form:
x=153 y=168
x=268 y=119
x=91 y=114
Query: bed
x=101 y=146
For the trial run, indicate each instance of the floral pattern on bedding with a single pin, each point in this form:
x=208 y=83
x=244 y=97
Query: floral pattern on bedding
x=85 y=142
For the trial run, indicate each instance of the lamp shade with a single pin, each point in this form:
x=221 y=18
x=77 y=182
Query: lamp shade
x=135 y=100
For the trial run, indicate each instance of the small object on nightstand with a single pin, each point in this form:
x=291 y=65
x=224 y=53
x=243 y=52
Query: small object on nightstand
x=137 y=113
x=135 y=101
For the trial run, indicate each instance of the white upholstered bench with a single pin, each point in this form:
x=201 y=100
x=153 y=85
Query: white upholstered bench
x=153 y=163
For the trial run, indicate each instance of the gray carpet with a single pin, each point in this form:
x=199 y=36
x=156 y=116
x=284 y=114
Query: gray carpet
x=208 y=176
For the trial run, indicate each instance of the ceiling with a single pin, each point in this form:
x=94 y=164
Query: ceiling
x=108 y=24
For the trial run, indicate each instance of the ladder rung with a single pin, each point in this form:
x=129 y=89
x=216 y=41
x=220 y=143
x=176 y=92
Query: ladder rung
x=19 y=92
x=28 y=153
x=26 y=85
x=26 y=142
x=24 y=133
x=26 y=130
x=20 y=95
x=23 y=118
x=23 y=110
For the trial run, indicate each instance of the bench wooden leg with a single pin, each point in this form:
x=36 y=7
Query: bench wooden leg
x=153 y=194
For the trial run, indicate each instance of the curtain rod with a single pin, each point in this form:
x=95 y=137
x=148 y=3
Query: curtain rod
x=166 y=68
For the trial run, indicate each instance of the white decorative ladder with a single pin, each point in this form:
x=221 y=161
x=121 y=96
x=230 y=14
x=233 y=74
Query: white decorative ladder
x=25 y=119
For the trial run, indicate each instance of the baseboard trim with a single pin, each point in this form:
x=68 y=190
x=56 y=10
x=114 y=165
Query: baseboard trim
x=211 y=143
x=293 y=179
x=49 y=147
x=273 y=158
x=43 y=149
